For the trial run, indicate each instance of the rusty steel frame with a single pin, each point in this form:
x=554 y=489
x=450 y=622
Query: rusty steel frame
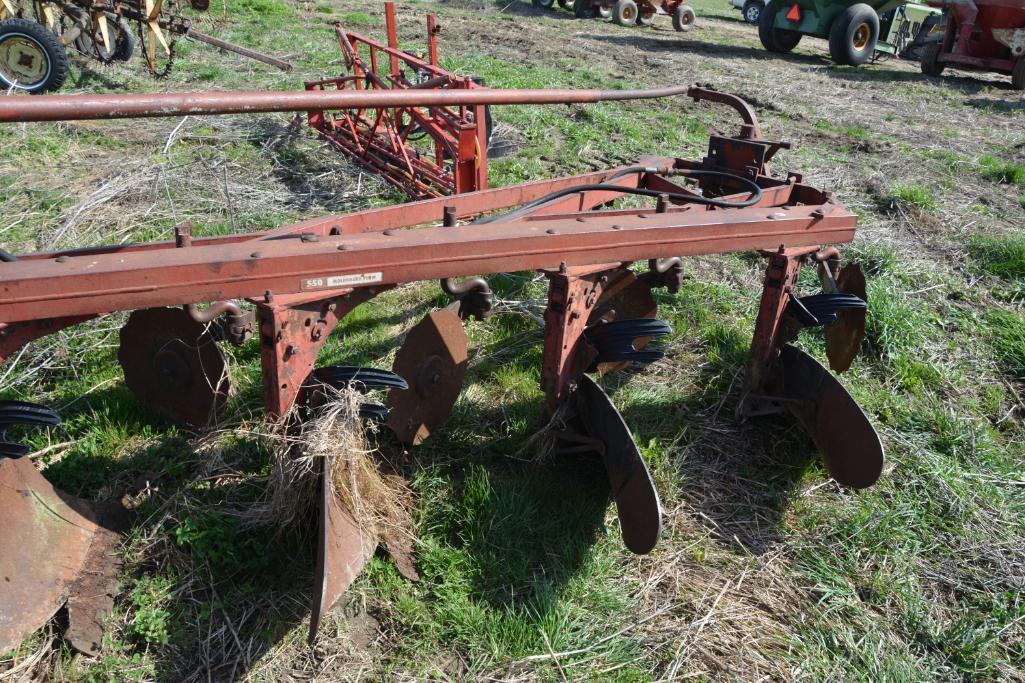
x=383 y=140
x=304 y=278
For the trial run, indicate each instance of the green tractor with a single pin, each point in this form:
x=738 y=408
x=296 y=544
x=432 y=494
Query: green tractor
x=856 y=31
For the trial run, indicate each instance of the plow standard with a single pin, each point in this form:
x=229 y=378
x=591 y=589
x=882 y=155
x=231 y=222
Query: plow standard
x=287 y=289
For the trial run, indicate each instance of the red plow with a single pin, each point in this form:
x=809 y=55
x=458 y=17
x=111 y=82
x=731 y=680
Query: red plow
x=287 y=289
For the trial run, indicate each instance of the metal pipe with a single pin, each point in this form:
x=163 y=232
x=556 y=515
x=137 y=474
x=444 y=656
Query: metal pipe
x=193 y=34
x=23 y=109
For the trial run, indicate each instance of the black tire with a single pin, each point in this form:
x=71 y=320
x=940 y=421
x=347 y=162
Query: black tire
x=42 y=60
x=542 y=4
x=1018 y=75
x=584 y=9
x=775 y=39
x=125 y=46
x=645 y=20
x=752 y=11
x=930 y=61
x=567 y=4
x=624 y=12
x=853 y=35
x=604 y=11
x=684 y=18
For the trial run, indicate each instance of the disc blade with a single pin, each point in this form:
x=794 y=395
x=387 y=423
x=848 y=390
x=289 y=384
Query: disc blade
x=342 y=551
x=640 y=513
x=173 y=365
x=845 y=438
x=52 y=549
x=843 y=337
x=432 y=360
x=624 y=297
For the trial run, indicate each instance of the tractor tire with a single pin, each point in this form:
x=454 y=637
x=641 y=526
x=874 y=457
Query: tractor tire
x=125 y=45
x=930 y=61
x=605 y=11
x=542 y=4
x=775 y=39
x=752 y=11
x=684 y=18
x=1018 y=75
x=584 y=9
x=624 y=12
x=567 y=4
x=853 y=35
x=643 y=20
x=32 y=58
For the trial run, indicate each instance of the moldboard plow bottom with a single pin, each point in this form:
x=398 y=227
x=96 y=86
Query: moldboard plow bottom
x=287 y=289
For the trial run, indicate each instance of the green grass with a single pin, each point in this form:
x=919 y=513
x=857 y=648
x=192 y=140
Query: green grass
x=765 y=569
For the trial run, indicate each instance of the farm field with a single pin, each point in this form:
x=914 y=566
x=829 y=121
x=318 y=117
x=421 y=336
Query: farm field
x=767 y=570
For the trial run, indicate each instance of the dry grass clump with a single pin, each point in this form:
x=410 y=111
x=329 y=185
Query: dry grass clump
x=337 y=436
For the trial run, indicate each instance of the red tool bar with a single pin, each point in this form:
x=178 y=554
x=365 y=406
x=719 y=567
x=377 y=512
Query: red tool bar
x=80 y=107
x=79 y=285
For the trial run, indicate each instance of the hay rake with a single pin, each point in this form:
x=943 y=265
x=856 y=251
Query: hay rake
x=301 y=280
x=35 y=36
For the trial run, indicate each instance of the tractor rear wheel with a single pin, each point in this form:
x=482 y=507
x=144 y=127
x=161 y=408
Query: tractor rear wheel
x=775 y=39
x=684 y=18
x=624 y=12
x=32 y=58
x=852 y=38
x=542 y=4
x=931 y=65
x=1018 y=75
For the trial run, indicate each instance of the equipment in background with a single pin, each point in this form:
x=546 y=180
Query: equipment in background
x=903 y=31
x=628 y=12
x=287 y=289
x=854 y=30
x=424 y=151
x=36 y=34
x=980 y=35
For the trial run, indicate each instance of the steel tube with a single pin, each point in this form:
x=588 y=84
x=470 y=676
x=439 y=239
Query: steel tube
x=25 y=109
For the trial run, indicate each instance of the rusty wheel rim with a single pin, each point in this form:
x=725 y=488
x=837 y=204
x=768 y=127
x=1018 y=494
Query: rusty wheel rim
x=23 y=61
x=862 y=34
x=629 y=14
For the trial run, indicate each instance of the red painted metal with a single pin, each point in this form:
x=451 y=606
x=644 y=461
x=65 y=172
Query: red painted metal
x=424 y=151
x=972 y=35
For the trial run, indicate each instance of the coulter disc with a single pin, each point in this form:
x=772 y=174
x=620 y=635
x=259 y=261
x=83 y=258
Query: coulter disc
x=432 y=360
x=843 y=337
x=845 y=438
x=640 y=513
x=173 y=365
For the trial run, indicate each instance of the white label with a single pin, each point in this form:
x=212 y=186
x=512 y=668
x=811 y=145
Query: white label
x=342 y=280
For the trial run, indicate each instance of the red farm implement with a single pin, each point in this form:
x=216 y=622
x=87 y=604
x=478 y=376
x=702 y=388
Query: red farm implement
x=424 y=151
x=287 y=289
x=628 y=12
x=982 y=35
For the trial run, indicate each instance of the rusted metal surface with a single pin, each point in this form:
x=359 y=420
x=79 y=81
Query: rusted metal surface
x=342 y=550
x=199 y=37
x=134 y=106
x=845 y=438
x=423 y=151
x=173 y=365
x=48 y=539
x=432 y=360
x=843 y=337
x=640 y=513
